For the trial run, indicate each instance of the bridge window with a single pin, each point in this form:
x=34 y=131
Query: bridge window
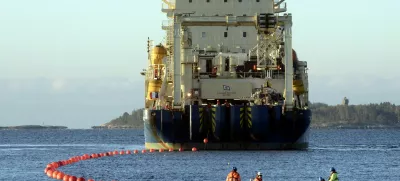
x=244 y=34
x=225 y=34
x=209 y=65
x=226 y=64
x=203 y=34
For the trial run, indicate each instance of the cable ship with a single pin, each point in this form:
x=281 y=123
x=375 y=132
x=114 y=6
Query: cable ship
x=226 y=78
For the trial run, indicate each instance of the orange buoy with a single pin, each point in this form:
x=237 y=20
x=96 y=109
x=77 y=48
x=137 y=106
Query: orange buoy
x=66 y=178
x=55 y=164
x=143 y=151
x=205 y=140
x=136 y=152
x=194 y=149
x=151 y=150
x=171 y=150
x=50 y=173
x=80 y=179
x=128 y=152
x=180 y=149
x=87 y=156
x=90 y=180
x=122 y=152
x=47 y=169
x=60 y=176
x=60 y=164
x=110 y=153
x=94 y=155
x=72 y=178
x=54 y=175
x=161 y=150
x=115 y=152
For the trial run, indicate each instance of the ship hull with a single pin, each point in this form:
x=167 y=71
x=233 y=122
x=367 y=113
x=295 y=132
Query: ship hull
x=227 y=128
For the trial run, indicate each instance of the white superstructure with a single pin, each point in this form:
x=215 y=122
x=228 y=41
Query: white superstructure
x=233 y=50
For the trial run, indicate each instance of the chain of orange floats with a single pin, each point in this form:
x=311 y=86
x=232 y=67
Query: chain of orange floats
x=52 y=172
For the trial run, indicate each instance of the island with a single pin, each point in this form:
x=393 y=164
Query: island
x=367 y=116
x=30 y=127
x=125 y=121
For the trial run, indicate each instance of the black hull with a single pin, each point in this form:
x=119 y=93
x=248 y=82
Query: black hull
x=227 y=128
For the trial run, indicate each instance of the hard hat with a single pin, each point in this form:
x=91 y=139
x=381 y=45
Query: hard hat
x=333 y=169
x=321 y=179
x=234 y=168
x=259 y=173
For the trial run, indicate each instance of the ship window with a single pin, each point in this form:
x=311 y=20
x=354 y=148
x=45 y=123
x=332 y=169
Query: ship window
x=226 y=64
x=225 y=0
x=244 y=34
x=240 y=1
x=257 y=0
x=209 y=65
x=190 y=1
x=208 y=1
x=225 y=34
x=243 y=50
x=203 y=34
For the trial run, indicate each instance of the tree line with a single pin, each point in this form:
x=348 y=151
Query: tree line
x=126 y=120
x=383 y=114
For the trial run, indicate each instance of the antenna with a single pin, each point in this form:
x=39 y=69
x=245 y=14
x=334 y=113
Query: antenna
x=148 y=48
x=279 y=3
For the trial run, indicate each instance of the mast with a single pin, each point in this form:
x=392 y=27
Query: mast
x=177 y=62
x=288 y=62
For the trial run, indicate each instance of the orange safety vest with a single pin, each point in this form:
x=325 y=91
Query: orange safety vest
x=233 y=176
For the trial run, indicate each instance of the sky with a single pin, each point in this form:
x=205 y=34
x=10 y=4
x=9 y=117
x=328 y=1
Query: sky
x=76 y=63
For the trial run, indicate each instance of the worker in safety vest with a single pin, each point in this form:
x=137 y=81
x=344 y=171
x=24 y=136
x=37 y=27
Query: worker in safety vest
x=233 y=175
x=258 y=177
x=334 y=175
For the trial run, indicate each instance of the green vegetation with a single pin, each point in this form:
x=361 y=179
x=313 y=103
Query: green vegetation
x=383 y=115
x=126 y=121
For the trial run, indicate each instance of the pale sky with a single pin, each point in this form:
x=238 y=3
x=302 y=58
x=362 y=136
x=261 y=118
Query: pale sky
x=77 y=62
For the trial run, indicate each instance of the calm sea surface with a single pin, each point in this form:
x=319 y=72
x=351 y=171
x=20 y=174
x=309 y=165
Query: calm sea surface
x=356 y=155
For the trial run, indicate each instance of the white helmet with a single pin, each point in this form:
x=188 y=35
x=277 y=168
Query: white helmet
x=259 y=173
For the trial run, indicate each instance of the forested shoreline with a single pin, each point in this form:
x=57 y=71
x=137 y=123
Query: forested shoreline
x=382 y=115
